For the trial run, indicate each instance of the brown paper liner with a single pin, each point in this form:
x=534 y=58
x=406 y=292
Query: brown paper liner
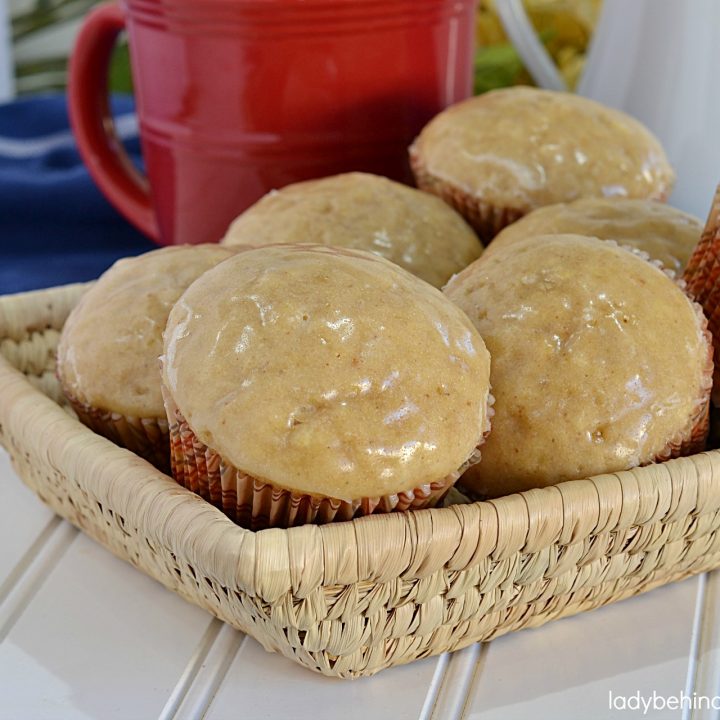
x=693 y=437
x=702 y=279
x=147 y=437
x=708 y=294
x=257 y=504
x=700 y=264
x=486 y=219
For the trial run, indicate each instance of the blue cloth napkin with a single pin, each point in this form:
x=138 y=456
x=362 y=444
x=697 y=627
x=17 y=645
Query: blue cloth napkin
x=55 y=225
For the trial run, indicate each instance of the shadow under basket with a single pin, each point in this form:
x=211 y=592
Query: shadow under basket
x=351 y=598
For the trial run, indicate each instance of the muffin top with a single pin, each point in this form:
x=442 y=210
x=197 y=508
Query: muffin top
x=110 y=344
x=663 y=232
x=599 y=360
x=411 y=228
x=327 y=371
x=521 y=148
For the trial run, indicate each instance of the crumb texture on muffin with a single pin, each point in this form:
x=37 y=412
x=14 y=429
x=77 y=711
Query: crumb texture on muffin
x=411 y=228
x=327 y=371
x=662 y=231
x=600 y=362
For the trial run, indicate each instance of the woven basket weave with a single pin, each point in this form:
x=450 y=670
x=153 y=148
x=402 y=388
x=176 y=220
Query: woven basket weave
x=351 y=598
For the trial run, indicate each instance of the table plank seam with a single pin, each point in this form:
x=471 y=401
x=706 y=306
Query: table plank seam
x=695 y=634
x=460 y=678
x=211 y=673
x=35 y=573
x=705 y=650
x=26 y=559
x=474 y=679
x=435 y=687
x=193 y=667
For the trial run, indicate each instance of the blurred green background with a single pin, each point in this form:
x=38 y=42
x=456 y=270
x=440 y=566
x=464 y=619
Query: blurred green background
x=43 y=32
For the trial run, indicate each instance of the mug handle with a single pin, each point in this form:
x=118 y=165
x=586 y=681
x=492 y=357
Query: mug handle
x=92 y=123
x=522 y=34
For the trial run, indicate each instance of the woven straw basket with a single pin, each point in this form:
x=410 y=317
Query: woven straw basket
x=349 y=599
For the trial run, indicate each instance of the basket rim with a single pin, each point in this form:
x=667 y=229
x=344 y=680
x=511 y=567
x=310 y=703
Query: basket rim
x=340 y=553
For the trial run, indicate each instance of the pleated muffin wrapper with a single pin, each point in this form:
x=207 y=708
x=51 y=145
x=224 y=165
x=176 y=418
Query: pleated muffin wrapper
x=256 y=504
x=702 y=278
x=703 y=269
x=486 y=219
x=693 y=438
x=147 y=437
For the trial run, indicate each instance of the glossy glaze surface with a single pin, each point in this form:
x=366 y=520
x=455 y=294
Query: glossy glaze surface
x=599 y=360
x=327 y=371
x=522 y=148
x=237 y=97
x=110 y=345
x=413 y=229
x=663 y=232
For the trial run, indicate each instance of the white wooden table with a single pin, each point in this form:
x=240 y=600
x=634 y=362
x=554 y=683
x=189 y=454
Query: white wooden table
x=85 y=636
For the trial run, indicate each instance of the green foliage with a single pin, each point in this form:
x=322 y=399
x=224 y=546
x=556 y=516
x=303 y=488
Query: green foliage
x=119 y=78
x=496 y=66
x=50 y=73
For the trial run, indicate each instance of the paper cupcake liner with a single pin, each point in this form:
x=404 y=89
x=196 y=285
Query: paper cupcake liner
x=715 y=332
x=693 y=438
x=708 y=294
x=706 y=286
x=146 y=437
x=702 y=281
x=700 y=264
x=257 y=504
x=486 y=219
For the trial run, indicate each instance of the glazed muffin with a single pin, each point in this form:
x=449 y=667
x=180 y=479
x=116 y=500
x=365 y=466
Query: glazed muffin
x=497 y=156
x=309 y=384
x=107 y=361
x=663 y=232
x=364 y=212
x=600 y=362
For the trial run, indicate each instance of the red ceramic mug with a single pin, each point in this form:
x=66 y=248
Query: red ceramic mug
x=237 y=97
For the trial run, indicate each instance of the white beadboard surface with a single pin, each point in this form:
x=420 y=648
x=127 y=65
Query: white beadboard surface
x=24 y=522
x=84 y=636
